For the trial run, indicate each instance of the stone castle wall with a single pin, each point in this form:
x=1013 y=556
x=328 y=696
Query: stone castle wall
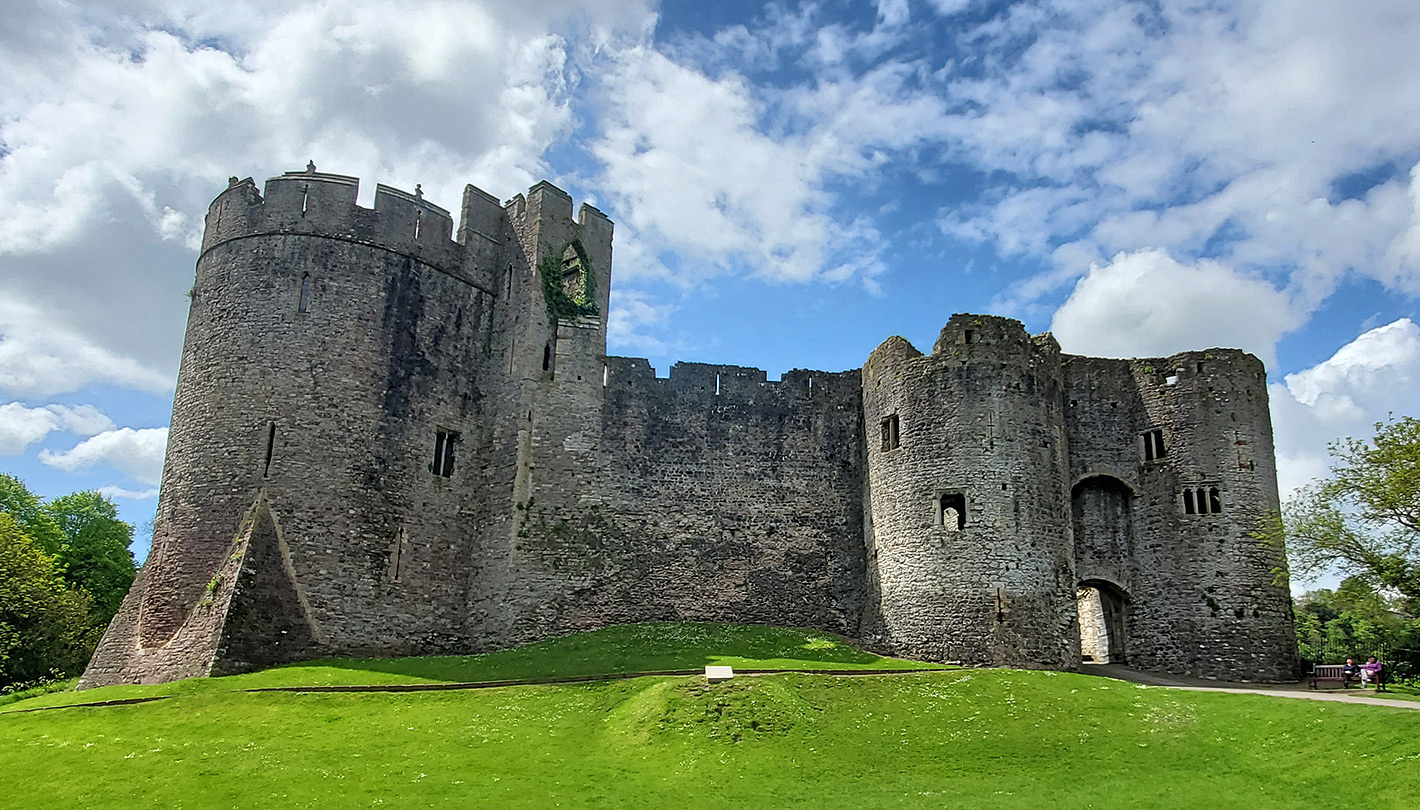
x=389 y=438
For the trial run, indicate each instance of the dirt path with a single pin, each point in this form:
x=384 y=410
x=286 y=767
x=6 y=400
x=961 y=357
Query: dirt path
x=1287 y=690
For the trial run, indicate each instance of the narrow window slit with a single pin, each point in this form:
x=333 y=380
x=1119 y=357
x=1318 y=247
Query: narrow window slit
x=418 y=220
x=717 y=384
x=270 y=446
x=303 y=304
x=305 y=198
x=547 y=357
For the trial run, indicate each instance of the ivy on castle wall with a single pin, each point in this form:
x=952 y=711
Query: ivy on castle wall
x=560 y=304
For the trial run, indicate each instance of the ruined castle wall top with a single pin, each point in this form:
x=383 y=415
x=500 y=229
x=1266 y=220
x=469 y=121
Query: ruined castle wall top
x=324 y=205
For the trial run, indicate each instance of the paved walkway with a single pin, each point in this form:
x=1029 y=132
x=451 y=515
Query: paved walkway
x=1288 y=690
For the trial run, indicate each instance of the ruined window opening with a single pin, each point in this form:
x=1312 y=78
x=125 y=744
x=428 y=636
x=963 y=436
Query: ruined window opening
x=951 y=511
x=891 y=436
x=574 y=276
x=418 y=220
x=1172 y=379
x=1202 y=500
x=270 y=446
x=547 y=357
x=970 y=336
x=1154 y=445
x=1200 y=368
x=305 y=196
x=303 y=304
x=444 y=443
x=398 y=552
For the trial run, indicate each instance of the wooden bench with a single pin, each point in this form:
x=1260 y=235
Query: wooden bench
x=1331 y=673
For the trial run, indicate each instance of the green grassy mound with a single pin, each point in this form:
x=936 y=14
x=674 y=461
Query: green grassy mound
x=971 y=739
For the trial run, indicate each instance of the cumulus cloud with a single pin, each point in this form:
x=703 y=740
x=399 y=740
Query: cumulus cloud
x=136 y=453
x=40 y=355
x=1147 y=303
x=694 y=168
x=121 y=120
x=1261 y=134
x=21 y=427
x=1364 y=382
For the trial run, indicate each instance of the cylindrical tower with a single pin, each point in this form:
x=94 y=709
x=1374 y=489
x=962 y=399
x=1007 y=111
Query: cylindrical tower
x=969 y=548
x=331 y=374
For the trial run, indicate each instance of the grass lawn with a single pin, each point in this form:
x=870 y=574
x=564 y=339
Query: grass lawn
x=966 y=738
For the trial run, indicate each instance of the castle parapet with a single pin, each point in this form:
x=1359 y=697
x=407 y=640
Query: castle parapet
x=320 y=204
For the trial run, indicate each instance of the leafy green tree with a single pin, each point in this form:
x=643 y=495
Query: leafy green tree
x=1365 y=520
x=26 y=507
x=44 y=623
x=94 y=553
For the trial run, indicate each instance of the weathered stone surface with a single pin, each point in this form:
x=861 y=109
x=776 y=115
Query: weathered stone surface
x=336 y=355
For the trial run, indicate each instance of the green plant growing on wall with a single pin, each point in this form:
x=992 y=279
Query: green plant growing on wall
x=563 y=304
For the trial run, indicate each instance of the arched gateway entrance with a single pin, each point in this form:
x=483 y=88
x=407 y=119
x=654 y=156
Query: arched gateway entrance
x=1103 y=523
x=1104 y=617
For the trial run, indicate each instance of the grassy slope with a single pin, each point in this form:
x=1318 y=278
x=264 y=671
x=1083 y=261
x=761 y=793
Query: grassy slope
x=978 y=739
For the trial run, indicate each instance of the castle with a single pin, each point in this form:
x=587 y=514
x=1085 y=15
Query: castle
x=390 y=438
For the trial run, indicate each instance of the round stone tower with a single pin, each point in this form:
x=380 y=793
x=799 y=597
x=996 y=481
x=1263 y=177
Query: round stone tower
x=325 y=434
x=968 y=538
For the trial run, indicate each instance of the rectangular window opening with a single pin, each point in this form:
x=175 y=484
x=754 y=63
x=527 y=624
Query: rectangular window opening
x=717 y=383
x=970 y=336
x=418 y=220
x=305 y=197
x=1187 y=501
x=444 y=443
x=1154 y=445
x=951 y=511
x=303 y=304
x=606 y=374
x=891 y=438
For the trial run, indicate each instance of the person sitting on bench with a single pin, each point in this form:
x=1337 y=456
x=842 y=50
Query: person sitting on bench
x=1370 y=672
x=1349 y=673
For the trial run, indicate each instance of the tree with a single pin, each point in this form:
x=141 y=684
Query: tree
x=44 y=623
x=1365 y=520
x=94 y=553
x=26 y=507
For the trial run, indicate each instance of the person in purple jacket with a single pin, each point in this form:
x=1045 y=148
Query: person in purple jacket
x=1370 y=672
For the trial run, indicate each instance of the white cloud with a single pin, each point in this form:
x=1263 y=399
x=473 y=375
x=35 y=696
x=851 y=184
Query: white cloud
x=1364 y=382
x=21 y=427
x=120 y=121
x=40 y=356
x=1147 y=303
x=128 y=494
x=1223 y=130
x=137 y=453
x=631 y=313
x=695 y=168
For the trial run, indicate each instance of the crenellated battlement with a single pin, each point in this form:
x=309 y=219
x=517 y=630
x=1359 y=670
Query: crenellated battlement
x=712 y=383
x=320 y=204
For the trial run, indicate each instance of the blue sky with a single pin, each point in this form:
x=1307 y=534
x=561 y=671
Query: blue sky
x=791 y=182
